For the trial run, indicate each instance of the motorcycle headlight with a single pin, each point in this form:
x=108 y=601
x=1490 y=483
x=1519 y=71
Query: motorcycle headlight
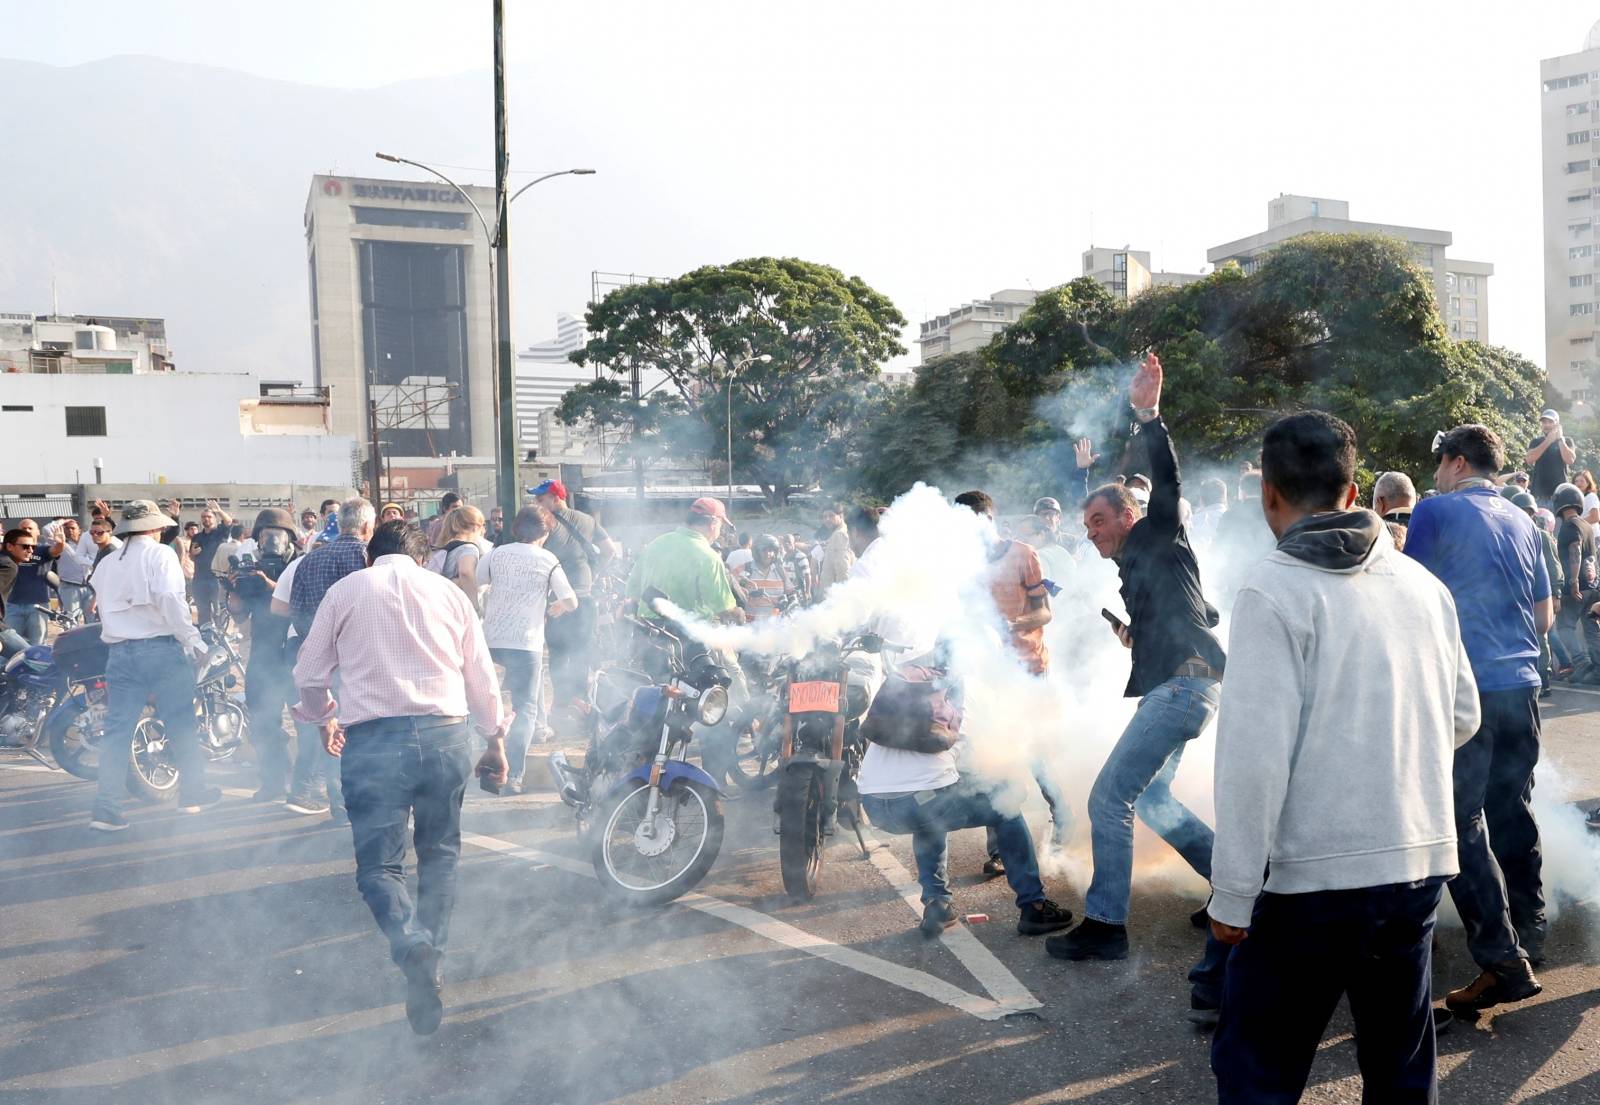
x=713 y=705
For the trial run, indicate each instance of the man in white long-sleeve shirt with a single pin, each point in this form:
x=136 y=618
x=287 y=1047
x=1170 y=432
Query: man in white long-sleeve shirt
x=1348 y=691
x=145 y=621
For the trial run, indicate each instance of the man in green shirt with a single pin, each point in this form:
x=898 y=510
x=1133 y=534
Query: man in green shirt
x=683 y=566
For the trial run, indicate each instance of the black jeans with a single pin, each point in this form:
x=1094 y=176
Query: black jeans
x=571 y=641
x=1304 y=952
x=390 y=768
x=1499 y=893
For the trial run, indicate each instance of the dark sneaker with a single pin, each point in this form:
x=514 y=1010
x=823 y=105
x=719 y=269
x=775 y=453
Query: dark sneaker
x=1090 y=940
x=1203 y=1014
x=269 y=794
x=202 y=799
x=1444 y=1020
x=994 y=867
x=104 y=820
x=936 y=917
x=1039 y=918
x=1593 y=820
x=1200 y=919
x=424 y=1007
x=511 y=788
x=307 y=803
x=1505 y=982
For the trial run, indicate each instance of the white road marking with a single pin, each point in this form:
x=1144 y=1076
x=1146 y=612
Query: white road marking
x=780 y=932
x=980 y=962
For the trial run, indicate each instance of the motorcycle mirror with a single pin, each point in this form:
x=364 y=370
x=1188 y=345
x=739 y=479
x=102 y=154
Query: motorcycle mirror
x=871 y=642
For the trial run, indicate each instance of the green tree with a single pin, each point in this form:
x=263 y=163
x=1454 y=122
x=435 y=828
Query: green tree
x=1343 y=323
x=827 y=336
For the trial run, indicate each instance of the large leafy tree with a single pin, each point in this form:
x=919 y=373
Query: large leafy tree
x=1343 y=323
x=826 y=335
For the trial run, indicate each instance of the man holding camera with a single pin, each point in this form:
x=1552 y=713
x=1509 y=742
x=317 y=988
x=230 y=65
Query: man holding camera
x=266 y=679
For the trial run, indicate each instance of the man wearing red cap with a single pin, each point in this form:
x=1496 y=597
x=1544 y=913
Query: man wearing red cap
x=584 y=548
x=683 y=566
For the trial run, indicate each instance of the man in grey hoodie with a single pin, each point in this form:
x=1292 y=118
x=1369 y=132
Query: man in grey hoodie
x=1349 y=691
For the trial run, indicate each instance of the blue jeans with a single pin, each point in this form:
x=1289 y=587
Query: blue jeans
x=928 y=815
x=525 y=684
x=28 y=620
x=1305 y=952
x=390 y=768
x=74 y=600
x=136 y=670
x=314 y=769
x=1137 y=777
x=11 y=642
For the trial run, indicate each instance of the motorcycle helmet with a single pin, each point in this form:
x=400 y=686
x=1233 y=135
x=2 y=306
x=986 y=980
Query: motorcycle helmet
x=1525 y=501
x=1566 y=495
x=765 y=543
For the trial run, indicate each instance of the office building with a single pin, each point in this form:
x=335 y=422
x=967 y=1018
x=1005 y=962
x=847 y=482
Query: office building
x=1290 y=217
x=1569 y=114
x=1126 y=272
x=401 y=308
x=973 y=325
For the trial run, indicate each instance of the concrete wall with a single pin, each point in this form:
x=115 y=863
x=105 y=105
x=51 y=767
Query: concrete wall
x=178 y=427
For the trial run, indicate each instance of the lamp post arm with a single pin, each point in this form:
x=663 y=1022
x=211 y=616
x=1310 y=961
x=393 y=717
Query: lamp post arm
x=437 y=175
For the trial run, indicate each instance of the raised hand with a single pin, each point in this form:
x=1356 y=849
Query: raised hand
x=1145 y=391
x=1084 y=451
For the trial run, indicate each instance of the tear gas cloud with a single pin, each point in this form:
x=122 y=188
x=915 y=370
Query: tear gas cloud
x=929 y=570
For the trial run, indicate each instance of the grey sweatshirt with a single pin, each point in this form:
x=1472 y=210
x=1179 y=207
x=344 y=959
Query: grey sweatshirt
x=1348 y=691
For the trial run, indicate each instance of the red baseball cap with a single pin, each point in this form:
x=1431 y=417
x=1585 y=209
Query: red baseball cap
x=550 y=487
x=710 y=507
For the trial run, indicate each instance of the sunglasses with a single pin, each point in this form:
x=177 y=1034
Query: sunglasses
x=20 y=545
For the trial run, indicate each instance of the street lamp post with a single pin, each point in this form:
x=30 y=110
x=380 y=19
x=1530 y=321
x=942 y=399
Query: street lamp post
x=501 y=361
x=743 y=363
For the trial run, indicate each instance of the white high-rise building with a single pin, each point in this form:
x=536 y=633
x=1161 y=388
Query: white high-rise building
x=1570 y=121
x=1461 y=287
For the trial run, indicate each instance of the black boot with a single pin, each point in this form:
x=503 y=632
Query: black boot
x=1090 y=940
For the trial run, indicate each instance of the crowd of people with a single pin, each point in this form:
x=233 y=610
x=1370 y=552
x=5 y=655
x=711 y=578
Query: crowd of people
x=402 y=652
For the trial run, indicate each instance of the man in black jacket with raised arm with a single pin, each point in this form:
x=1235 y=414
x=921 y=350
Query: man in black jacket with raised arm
x=1177 y=673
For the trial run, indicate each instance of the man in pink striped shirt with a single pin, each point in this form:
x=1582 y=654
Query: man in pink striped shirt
x=412 y=664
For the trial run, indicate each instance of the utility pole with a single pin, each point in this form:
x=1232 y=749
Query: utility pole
x=375 y=450
x=510 y=498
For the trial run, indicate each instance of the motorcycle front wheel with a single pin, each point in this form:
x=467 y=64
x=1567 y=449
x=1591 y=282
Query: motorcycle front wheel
x=650 y=863
x=755 y=752
x=800 y=842
x=73 y=744
x=151 y=773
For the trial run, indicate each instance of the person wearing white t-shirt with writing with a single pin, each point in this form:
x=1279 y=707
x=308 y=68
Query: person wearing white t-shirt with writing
x=526 y=584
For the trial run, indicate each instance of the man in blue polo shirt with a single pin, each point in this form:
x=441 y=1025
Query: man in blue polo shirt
x=1489 y=555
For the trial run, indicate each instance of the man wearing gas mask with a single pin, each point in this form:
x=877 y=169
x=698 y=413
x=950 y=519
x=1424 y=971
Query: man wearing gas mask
x=267 y=682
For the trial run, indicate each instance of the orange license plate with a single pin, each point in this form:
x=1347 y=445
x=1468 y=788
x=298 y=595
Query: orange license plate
x=814 y=697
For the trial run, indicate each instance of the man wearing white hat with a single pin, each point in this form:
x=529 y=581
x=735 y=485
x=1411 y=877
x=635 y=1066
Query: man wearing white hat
x=145 y=621
x=1548 y=457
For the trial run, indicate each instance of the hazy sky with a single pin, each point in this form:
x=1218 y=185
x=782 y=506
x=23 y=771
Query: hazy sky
x=941 y=151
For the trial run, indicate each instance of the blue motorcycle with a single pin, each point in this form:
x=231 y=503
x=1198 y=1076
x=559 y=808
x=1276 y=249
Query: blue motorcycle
x=652 y=820
x=31 y=684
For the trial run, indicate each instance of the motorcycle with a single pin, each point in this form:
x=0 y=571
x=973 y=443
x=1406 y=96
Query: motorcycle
x=31 y=683
x=652 y=820
x=827 y=694
x=76 y=725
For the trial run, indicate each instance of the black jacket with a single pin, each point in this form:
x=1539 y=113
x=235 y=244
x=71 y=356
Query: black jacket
x=1168 y=616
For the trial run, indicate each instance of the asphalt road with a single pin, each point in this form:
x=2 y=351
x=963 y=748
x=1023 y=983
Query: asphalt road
x=226 y=957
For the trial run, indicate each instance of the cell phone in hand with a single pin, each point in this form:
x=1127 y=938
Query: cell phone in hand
x=486 y=781
x=1116 y=622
